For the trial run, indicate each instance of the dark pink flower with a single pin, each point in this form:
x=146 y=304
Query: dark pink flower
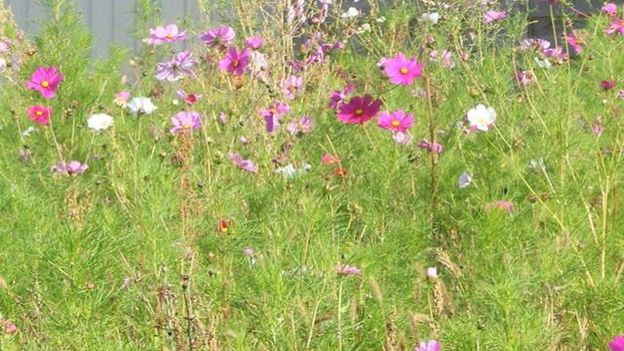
x=46 y=80
x=167 y=34
x=617 y=344
x=238 y=161
x=235 y=62
x=185 y=121
x=273 y=114
x=40 y=114
x=219 y=36
x=574 y=41
x=189 y=99
x=359 y=109
x=70 y=168
x=401 y=70
x=617 y=27
x=607 y=84
x=397 y=121
x=492 y=16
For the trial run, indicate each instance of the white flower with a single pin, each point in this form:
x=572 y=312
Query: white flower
x=545 y=63
x=3 y=64
x=141 y=105
x=432 y=17
x=432 y=272
x=29 y=131
x=363 y=28
x=287 y=171
x=481 y=117
x=381 y=19
x=465 y=179
x=351 y=12
x=99 y=121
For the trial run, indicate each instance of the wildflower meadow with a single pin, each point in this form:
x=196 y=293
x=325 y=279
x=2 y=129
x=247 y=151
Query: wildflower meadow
x=312 y=175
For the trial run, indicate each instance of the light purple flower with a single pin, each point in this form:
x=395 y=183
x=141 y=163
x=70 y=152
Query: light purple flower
x=218 y=37
x=238 y=161
x=346 y=270
x=235 y=62
x=465 y=179
x=70 y=168
x=273 y=114
x=338 y=96
x=524 y=78
x=303 y=126
x=185 y=121
x=291 y=86
x=167 y=34
x=177 y=68
x=431 y=345
x=492 y=16
x=254 y=43
x=433 y=147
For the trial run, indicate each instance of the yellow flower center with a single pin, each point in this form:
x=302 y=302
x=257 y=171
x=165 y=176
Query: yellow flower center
x=404 y=70
x=235 y=63
x=395 y=123
x=169 y=36
x=359 y=112
x=45 y=84
x=39 y=113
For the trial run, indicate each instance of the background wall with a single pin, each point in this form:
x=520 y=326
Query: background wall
x=112 y=21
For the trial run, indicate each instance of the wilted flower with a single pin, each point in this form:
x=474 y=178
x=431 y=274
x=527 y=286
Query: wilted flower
x=273 y=114
x=175 y=69
x=40 y=114
x=346 y=270
x=235 y=62
x=359 y=109
x=189 y=99
x=621 y=94
x=121 y=99
x=397 y=121
x=167 y=34
x=401 y=70
x=340 y=171
x=481 y=118
x=617 y=344
x=238 y=161
x=431 y=345
x=185 y=121
x=141 y=105
x=99 y=121
x=492 y=16
x=28 y=131
x=445 y=58
x=70 y=168
x=465 y=179
x=219 y=36
x=543 y=63
x=45 y=80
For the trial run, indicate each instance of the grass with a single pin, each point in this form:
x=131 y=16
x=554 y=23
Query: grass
x=128 y=255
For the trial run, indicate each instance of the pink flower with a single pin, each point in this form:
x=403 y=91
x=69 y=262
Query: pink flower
x=617 y=344
x=401 y=70
x=185 y=121
x=175 y=69
x=621 y=94
x=235 y=62
x=431 y=345
x=397 y=121
x=10 y=327
x=189 y=99
x=501 y=205
x=609 y=9
x=238 y=161
x=359 y=109
x=492 y=16
x=46 y=80
x=273 y=114
x=40 y=114
x=167 y=34
x=303 y=126
x=607 y=84
x=524 y=78
x=70 y=168
x=346 y=270
x=557 y=54
x=433 y=147
x=534 y=44
x=121 y=99
x=218 y=37
x=338 y=96
x=616 y=27
x=329 y=159
x=574 y=41
x=291 y=86
x=254 y=43
x=445 y=58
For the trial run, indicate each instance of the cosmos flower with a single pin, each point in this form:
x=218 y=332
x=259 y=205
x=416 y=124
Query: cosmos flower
x=616 y=27
x=167 y=34
x=70 y=168
x=185 y=121
x=609 y=9
x=254 y=43
x=607 y=84
x=524 y=78
x=177 y=68
x=347 y=270
x=99 y=121
x=401 y=70
x=141 y=105
x=432 y=272
x=359 y=109
x=464 y=180
x=431 y=345
x=617 y=344
x=303 y=126
x=481 y=118
x=121 y=99
x=492 y=16
x=273 y=114
x=329 y=159
x=574 y=41
x=338 y=96
x=189 y=99
x=403 y=138
x=433 y=147
x=235 y=62
x=397 y=121
x=432 y=17
x=45 y=80
x=218 y=37
x=40 y=114
x=238 y=161
x=291 y=86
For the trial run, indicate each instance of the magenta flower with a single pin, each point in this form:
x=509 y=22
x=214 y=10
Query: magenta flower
x=291 y=86
x=235 y=62
x=401 y=70
x=492 y=16
x=431 y=345
x=177 y=68
x=273 y=114
x=607 y=84
x=359 y=109
x=167 y=34
x=254 y=43
x=574 y=41
x=346 y=270
x=40 y=114
x=185 y=121
x=218 y=37
x=238 y=161
x=338 y=96
x=189 y=99
x=46 y=80
x=397 y=121
x=70 y=168
x=609 y=9
x=617 y=344
x=617 y=27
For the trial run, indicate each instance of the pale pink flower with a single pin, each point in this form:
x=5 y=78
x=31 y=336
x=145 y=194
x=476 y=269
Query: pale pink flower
x=346 y=270
x=492 y=16
x=238 y=161
x=609 y=9
x=167 y=34
x=121 y=99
